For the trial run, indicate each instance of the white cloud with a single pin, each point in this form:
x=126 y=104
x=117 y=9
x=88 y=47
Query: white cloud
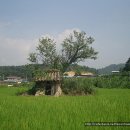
x=65 y=34
x=14 y=51
x=60 y=37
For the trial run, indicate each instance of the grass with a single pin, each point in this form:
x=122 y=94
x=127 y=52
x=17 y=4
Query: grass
x=63 y=113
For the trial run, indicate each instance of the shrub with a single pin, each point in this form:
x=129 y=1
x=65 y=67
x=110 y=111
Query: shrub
x=21 y=91
x=87 y=85
x=78 y=86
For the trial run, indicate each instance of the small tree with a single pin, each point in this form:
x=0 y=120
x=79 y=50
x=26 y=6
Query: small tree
x=127 y=65
x=75 y=48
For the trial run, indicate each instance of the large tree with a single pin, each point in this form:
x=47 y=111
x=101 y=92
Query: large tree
x=75 y=48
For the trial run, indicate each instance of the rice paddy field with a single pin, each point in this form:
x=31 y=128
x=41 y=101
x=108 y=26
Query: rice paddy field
x=63 y=113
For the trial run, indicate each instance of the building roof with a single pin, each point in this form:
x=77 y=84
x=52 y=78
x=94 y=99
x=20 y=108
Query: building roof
x=114 y=71
x=51 y=75
x=70 y=73
x=87 y=74
x=13 y=77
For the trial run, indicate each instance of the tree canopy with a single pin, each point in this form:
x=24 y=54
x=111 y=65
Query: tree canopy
x=127 y=65
x=75 y=48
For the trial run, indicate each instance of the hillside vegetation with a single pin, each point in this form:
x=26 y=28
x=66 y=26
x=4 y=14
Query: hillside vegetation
x=26 y=71
x=110 y=68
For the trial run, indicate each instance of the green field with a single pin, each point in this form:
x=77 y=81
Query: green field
x=63 y=113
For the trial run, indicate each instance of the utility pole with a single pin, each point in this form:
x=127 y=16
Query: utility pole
x=26 y=77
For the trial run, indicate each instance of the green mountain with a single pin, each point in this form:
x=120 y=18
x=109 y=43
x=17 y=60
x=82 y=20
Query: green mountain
x=110 y=68
x=21 y=71
x=80 y=68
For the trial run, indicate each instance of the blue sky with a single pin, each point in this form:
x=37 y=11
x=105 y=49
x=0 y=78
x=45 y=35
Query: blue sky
x=22 y=22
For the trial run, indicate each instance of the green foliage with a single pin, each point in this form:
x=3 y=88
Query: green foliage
x=108 y=69
x=79 y=68
x=46 y=54
x=24 y=71
x=75 y=48
x=87 y=85
x=32 y=57
x=112 y=82
x=75 y=86
x=127 y=66
x=21 y=90
x=39 y=73
x=63 y=113
x=30 y=70
x=32 y=91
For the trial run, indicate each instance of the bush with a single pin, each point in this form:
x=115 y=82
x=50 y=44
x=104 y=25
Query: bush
x=74 y=86
x=84 y=85
x=21 y=91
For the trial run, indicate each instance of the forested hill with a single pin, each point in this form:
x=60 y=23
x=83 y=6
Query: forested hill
x=21 y=71
x=80 y=68
x=110 y=68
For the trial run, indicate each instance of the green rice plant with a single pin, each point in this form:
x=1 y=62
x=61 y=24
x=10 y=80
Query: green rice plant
x=63 y=113
x=113 y=82
x=88 y=85
x=21 y=91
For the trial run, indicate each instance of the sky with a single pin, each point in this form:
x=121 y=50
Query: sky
x=23 y=22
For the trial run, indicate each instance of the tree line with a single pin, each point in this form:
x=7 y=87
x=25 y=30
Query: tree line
x=27 y=71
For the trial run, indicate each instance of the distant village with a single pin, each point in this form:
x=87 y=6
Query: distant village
x=10 y=80
x=68 y=74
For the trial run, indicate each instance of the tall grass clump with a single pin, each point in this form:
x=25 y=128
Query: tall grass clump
x=112 y=82
x=78 y=86
x=84 y=85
